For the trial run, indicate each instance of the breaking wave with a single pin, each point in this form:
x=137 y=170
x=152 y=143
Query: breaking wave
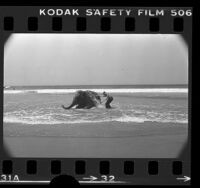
x=124 y=90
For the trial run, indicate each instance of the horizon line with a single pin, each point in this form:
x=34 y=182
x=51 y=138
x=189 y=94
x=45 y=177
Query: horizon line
x=96 y=85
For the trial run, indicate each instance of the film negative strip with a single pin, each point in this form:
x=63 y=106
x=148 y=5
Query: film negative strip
x=98 y=93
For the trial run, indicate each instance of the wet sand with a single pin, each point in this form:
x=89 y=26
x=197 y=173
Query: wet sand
x=101 y=140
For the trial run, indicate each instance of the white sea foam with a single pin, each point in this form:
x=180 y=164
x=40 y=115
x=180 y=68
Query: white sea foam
x=121 y=90
x=48 y=120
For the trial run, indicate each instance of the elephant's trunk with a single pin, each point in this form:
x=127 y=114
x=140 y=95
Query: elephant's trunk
x=74 y=103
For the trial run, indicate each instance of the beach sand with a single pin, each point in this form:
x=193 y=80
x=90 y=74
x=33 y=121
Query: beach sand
x=99 y=140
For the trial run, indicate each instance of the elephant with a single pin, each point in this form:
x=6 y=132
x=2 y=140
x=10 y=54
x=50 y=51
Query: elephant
x=84 y=99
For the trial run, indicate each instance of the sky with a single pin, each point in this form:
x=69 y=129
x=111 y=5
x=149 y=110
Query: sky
x=95 y=59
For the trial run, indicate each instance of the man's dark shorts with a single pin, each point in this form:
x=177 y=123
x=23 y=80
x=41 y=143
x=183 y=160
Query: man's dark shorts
x=110 y=99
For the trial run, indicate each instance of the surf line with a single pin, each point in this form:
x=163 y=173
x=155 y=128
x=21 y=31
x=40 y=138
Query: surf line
x=88 y=12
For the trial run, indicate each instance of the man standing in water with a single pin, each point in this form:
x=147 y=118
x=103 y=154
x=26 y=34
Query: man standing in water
x=108 y=99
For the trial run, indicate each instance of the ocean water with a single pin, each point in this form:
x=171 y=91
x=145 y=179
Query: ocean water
x=42 y=105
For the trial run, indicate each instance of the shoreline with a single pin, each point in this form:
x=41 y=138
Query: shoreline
x=108 y=140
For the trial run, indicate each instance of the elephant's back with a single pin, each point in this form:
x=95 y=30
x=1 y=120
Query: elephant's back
x=86 y=98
